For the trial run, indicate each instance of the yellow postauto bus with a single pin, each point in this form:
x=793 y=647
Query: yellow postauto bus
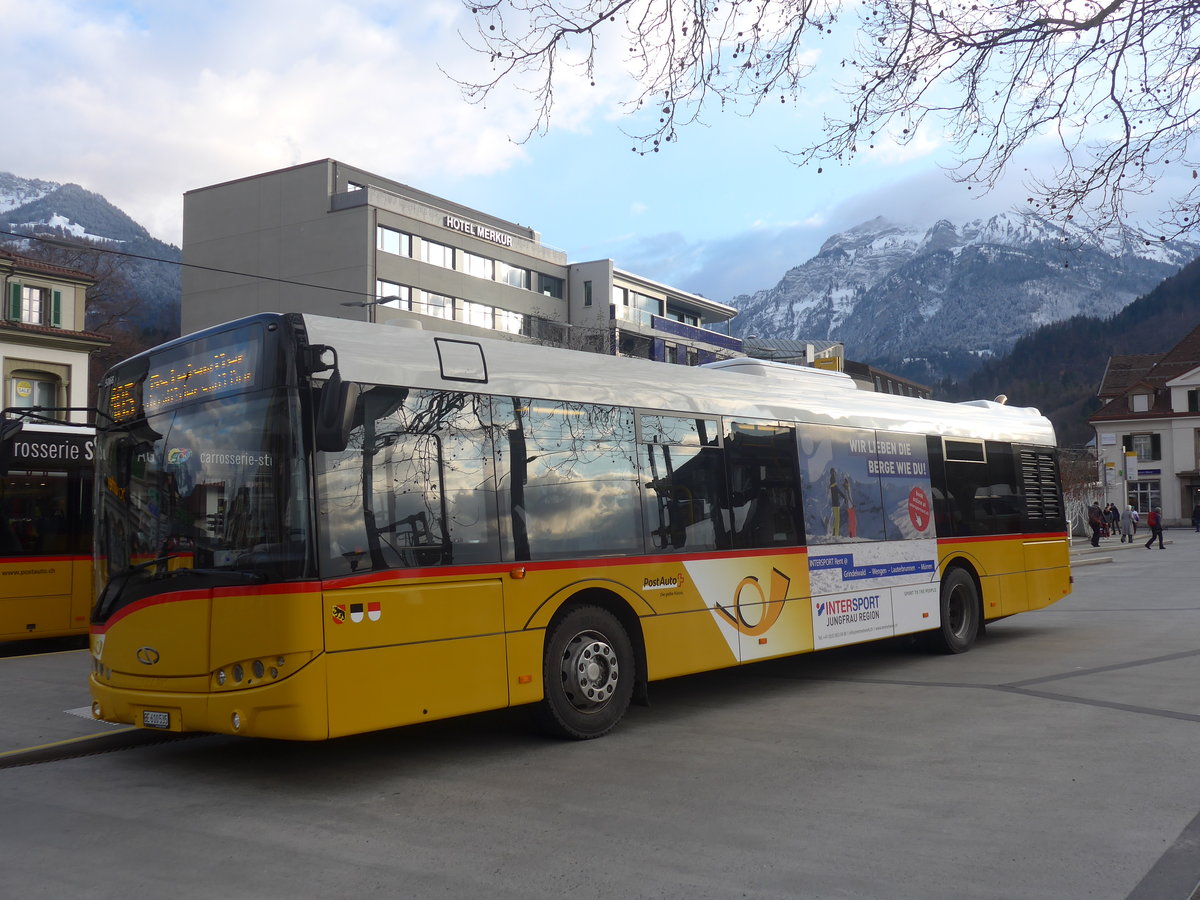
x=45 y=530
x=310 y=527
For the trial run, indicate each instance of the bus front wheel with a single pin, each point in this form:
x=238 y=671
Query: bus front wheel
x=960 y=611
x=587 y=674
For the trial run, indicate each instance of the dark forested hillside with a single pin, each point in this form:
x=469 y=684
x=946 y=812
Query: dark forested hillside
x=1058 y=367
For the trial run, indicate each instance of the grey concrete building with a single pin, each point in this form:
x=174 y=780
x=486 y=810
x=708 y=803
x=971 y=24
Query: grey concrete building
x=328 y=238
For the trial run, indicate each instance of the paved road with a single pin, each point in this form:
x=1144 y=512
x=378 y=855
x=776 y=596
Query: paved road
x=1058 y=759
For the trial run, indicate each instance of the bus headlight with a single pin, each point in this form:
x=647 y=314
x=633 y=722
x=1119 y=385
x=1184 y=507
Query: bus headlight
x=245 y=673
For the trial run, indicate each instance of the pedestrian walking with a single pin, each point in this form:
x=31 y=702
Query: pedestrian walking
x=1114 y=518
x=1095 y=522
x=1196 y=516
x=1154 y=520
x=1127 y=526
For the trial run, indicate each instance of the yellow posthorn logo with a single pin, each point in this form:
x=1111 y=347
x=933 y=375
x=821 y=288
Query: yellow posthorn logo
x=771 y=609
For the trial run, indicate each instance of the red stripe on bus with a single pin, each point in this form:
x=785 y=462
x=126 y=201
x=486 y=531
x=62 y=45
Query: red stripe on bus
x=302 y=587
x=981 y=538
x=17 y=560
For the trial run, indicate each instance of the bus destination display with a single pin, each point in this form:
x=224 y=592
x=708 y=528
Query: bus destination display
x=223 y=364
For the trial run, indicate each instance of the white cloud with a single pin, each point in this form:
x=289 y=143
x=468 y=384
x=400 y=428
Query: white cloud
x=145 y=103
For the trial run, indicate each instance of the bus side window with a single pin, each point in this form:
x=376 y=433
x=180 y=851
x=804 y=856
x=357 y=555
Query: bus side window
x=764 y=494
x=977 y=492
x=568 y=480
x=683 y=473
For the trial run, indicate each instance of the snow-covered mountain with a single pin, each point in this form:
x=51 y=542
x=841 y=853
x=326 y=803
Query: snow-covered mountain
x=31 y=207
x=931 y=301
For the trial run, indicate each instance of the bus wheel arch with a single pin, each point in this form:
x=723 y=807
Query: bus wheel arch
x=960 y=605
x=593 y=665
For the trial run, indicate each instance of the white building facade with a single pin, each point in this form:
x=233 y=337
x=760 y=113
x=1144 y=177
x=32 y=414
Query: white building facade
x=1148 y=430
x=45 y=348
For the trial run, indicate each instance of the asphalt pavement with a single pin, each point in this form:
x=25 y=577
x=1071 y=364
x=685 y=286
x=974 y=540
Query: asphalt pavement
x=1057 y=760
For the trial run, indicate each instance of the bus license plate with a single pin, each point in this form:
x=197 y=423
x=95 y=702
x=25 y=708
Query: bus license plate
x=153 y=719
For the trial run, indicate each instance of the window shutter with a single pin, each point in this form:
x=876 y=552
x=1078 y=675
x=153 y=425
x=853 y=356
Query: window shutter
x=1156 y=446
x=14 y=302
x=56 y=309
x=1127 y=442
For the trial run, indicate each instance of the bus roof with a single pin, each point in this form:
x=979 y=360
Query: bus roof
x=384 y=354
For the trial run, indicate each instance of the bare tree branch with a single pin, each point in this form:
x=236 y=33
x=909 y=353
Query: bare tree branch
x=1113 y=84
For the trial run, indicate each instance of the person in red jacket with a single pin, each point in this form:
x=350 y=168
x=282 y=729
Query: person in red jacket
x=1154 y=520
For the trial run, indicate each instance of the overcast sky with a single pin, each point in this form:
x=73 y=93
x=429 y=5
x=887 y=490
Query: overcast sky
x=142 y=100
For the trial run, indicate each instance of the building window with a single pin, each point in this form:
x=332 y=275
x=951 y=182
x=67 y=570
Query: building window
x=33 y=389
x=510 y=322
x=392 y=295
x=646 y=303
x=479 y=266
x=1193 y=398
x=34 y=305
x=587 y=293
x=1145 y=495
x=478 y=314
x=512 y=275
x=1139 y=402
x=436 y=305
x=1148 y=447
x=550 y=286
x=389 y=240
x=682 y=315
x=437 y=254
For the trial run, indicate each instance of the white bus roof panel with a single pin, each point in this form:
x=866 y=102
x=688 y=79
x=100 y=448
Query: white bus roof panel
x=379 y=354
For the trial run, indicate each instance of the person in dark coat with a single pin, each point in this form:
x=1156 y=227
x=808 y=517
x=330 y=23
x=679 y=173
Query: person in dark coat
x=1095 y=522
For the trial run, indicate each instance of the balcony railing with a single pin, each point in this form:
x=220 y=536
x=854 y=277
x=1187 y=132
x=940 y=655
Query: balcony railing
x=690 y=333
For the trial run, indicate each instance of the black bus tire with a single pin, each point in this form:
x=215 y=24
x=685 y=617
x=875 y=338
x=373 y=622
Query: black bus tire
x=588 y=673
x=961 y=613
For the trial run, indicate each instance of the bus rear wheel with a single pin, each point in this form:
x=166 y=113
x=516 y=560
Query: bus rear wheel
x=587 y=674
x=961 y=614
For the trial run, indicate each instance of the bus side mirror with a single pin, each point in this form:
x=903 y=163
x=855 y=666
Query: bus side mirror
x=335 y=413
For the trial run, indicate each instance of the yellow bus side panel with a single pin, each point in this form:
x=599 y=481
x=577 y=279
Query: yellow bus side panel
x=379 y=615
x=1047 y=571
x=36 y=597
x=683 y=643
x=384 y=687
x=262 y=626
x=408 y=653
x=525 y=649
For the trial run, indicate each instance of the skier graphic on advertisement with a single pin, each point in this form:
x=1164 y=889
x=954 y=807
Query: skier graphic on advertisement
x=851 y=513
x=835 y=504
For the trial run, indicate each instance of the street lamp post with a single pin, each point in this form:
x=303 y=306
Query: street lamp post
x=370 y=305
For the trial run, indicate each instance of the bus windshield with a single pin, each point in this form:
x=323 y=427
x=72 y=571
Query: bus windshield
x=207 y=494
